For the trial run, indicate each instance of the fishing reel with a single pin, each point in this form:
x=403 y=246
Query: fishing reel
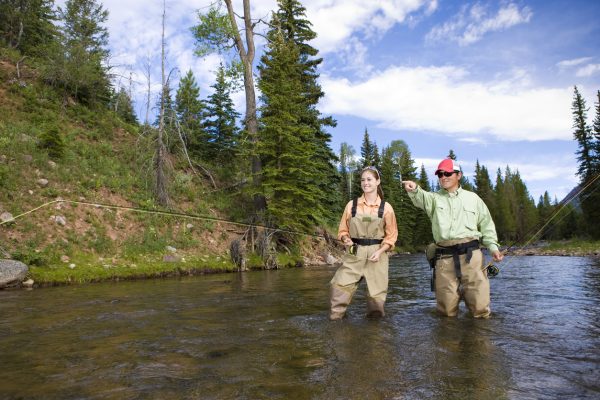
x=492 y=270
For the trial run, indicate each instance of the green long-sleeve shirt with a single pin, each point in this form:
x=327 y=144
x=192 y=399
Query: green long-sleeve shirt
x=457 y=215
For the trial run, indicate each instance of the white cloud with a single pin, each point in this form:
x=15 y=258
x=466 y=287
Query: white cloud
x=571 y=63
x=444 y=100
x=472 y=23
x=588 y=70
x=336 y=21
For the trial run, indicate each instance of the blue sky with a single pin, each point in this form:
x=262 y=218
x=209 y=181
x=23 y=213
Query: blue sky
x=492 y=80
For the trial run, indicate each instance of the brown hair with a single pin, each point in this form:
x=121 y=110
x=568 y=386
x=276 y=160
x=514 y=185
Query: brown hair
x=376 y=174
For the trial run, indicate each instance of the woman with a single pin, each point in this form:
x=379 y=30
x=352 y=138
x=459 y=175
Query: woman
x=368 y=229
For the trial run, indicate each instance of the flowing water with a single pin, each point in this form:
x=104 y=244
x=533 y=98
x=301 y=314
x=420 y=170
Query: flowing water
x=265 y=335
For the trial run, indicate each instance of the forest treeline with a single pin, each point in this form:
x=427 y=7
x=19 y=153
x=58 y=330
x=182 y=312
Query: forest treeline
x=276 y=160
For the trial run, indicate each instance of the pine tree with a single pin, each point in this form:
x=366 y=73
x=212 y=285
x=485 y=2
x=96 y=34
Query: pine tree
x=423 y=234
x=80 y=65
x=296 y=28
x=583 y=135
x=397 y=165
x=286 y=146
x=123 y=106
x=28 y=25
x=368 y=157
x=502 y=213
x=589 y=147
x=221 y=121
x=483 y=185
x=190 y=112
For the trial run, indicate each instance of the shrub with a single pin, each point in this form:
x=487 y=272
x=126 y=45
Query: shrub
x=52 y=141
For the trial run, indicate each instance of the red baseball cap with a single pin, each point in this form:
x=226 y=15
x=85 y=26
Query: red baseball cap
x=448 y=165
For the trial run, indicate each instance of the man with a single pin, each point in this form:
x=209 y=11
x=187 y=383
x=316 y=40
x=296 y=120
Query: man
x=460 y=221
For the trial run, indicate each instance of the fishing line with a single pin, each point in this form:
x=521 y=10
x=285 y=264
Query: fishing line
x=540 y=230
x=166 y=213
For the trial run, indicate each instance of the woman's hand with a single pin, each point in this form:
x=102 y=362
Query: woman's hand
x=375 y=256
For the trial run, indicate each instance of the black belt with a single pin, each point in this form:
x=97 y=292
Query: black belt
x=366 y=242
x=456 y=250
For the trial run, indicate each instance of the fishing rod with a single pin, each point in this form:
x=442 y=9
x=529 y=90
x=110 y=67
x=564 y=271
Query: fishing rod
x=493 y=270
x=166 y=213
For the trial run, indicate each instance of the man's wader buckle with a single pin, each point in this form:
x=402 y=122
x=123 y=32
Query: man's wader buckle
x=456 y=250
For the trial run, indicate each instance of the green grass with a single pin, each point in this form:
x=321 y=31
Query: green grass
x=575 y=245
x=85 y=268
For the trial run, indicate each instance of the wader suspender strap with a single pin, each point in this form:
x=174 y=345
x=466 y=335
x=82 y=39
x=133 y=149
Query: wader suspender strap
x=381 y=207
x=379 y=212
x=367 y=242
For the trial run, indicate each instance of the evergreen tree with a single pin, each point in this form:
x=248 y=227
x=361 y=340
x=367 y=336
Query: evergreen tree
x=367 y=152
x=423 y=234
x=190 y=112
x=287 y=147
x=398 y=165
x=296 y=28
x=583 y=136
x=483 y=185
x=123 y=106
x=589 y=167
x=502 y=214
x=596 y=131
x=464 y=181
x=221 y=121
x=78 y=65
x=28 y=25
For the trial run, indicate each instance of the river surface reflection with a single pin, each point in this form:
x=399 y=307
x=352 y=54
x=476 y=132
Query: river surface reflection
x=265 y=335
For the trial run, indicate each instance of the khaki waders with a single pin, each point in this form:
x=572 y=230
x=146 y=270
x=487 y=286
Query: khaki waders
x=355 y=267
x=474 y=283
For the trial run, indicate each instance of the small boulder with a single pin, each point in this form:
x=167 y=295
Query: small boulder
x=51 y=164
x=42 y=182
x=171 y=249
x=28 y=283
x=12 y=272
x=59 y=219
x=6 y=216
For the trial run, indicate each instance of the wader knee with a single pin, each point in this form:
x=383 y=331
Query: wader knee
x=375 y=308
x=339 y=300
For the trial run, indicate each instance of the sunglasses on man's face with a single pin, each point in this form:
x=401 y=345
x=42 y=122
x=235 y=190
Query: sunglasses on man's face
x=444 y=173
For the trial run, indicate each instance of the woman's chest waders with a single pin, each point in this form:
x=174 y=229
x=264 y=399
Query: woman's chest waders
x=367 y=232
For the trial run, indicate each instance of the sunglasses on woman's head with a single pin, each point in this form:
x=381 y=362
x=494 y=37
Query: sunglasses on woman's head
x=444 y=173
x=370 y=168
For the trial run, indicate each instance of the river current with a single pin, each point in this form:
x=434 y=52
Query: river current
x=265 y=335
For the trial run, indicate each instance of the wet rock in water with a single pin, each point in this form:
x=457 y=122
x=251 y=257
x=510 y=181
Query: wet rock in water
x=28 y=283
x=12 y=272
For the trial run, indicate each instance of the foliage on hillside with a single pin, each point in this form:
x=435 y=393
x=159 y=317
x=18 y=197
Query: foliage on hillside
x=92 y=156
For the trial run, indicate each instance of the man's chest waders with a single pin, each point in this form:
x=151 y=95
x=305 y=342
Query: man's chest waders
x=367 y=232
x=461 y=264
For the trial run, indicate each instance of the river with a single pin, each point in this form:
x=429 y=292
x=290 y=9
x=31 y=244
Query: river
x=265 y=335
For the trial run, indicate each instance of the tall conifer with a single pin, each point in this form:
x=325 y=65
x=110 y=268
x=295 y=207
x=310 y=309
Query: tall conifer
x=296 y=28
x=221 y=121
x=286 y=147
